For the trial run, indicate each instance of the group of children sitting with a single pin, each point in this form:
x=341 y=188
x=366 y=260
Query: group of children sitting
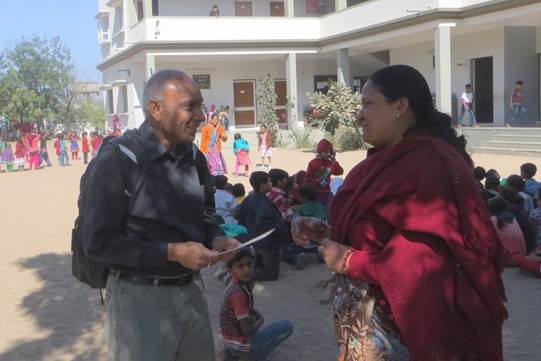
x=275 y=200
x=515 y=206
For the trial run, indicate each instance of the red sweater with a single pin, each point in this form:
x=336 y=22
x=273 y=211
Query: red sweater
x=319 y=173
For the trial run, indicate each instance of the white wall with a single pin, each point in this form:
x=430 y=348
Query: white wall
x=227 y=7
x=463 y=49
x=223 y=73
x=521 y=63
x=233 y=29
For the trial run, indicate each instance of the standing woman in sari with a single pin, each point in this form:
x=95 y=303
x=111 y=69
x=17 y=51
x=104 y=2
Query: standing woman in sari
x=411 y=240
x=212 y=136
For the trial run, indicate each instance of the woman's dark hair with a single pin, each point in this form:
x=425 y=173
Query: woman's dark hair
x=403 y=81
x=498 y=208
x=479 y=173
x=238 y=190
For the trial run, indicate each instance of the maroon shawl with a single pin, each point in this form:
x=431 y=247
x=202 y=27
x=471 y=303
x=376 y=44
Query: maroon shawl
x=447 y=303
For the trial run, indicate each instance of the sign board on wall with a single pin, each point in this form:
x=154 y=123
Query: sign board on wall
x=203 y=80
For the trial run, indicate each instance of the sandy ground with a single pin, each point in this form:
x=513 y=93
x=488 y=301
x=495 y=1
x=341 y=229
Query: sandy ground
x=47 y=315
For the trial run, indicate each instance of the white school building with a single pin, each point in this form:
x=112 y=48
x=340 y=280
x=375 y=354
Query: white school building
x=303 y=44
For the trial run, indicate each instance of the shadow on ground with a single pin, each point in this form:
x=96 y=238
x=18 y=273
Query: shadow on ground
x=68 y=311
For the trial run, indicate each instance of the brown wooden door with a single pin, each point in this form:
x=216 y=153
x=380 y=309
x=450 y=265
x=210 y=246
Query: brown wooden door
x=277 y=8
x=243 y=8
x=244 y=102
x=280 y=87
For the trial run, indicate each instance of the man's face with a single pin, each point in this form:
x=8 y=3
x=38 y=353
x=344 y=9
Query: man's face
x=179 y=113
x=282 y=183
x=243 y=270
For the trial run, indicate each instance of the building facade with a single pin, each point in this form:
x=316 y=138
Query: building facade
x=303 y=44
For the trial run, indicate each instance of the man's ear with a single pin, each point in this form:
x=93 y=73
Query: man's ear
x=155 y=109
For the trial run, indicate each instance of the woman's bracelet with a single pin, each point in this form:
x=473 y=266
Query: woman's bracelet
x=345 y=262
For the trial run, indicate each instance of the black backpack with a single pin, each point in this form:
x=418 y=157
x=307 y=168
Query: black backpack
x=83 y=268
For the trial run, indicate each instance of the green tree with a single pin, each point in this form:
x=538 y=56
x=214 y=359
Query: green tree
x=336 y=108
x=90 y=114
x=36 y=80
x=266 y=102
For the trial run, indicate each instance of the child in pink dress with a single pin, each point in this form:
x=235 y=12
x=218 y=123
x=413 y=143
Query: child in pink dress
x=265 y=146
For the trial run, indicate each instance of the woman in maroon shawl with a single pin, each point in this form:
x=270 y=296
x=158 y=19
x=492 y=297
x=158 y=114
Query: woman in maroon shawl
x=415 y=253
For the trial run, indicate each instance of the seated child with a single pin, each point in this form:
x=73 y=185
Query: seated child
x=320 y=170
x=511 y=237
x=278 y=194
x=258 y=214
x=239 y=193
x=224 y=201
x=309 y=206
x=532 y=187
x=241 y=324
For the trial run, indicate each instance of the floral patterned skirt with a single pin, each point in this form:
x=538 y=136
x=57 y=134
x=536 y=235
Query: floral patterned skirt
x=364 y=325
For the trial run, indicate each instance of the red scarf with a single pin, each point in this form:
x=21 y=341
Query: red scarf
x=445 y=304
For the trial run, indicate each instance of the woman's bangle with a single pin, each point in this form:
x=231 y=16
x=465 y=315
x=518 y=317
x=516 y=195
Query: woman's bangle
x=345 y=262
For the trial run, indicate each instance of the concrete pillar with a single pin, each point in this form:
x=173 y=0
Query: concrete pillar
x=147 y=8
x=442 y=40
x=150 y=66
x=340 y=4
x=290 y=8
x=293 y=118
x=342 y=70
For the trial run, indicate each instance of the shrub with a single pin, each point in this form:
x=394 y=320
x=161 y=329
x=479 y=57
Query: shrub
x=349 y=139
x=302 y=138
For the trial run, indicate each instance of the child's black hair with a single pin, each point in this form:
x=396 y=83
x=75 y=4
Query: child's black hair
x=499 y=208
x=277 y=175
x=492 y=182
x=493 y=173
x=257 y=179
x=220 y=182
x=511 y=196
x=240 y=255
x=519 y=82
x=229 y=188
x=309 y=192
x=237 y=136
x=516 y=182
x=479 y=173
x=238 y=190
x=528 y=170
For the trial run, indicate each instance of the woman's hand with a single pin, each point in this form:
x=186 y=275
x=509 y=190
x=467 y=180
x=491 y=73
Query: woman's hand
x=335 y=255
x=306 y=229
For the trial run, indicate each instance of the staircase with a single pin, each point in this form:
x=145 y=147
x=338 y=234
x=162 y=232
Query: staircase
x=504 y=140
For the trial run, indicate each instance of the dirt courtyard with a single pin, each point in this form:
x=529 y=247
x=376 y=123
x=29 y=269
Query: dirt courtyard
x=47 y=315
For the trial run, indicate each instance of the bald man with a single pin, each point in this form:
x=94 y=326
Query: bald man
x=149 y=216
